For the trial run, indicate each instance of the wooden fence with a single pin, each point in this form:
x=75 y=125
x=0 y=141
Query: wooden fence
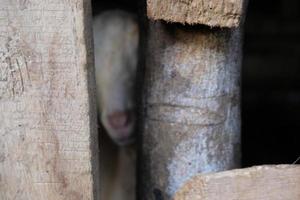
x=191 y=101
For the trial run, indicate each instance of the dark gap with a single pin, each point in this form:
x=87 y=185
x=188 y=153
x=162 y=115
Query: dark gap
x=271 y=83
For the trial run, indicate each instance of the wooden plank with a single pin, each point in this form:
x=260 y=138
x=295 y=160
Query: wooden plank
x=261 y=182
x=216 y=13
x=191 y=106
x=46 y=123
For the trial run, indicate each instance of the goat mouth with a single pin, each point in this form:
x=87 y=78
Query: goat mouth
x=120 y=126
x=120 y=120
x=124 y=134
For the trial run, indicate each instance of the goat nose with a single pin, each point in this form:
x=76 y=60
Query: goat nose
x=120 y=119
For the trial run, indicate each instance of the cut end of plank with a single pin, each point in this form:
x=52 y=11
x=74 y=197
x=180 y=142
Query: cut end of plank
x=262 y=182
x=225 y=13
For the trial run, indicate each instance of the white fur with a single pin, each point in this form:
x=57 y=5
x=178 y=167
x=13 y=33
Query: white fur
x=116 y=44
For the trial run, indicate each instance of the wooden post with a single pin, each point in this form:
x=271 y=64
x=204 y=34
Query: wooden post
x=262 y=182
x=48 y=135
x=191 y=106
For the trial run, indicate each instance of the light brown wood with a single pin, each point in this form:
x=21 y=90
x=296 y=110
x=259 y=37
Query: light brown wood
x=280 y=182
x=47 y=119
x=216 y=13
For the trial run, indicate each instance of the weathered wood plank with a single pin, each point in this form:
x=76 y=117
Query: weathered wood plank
x=47 y=134
x=262 y=182
x=191 y=106
x=217 y=13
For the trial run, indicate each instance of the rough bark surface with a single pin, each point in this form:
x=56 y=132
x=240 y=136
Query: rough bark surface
x=47 y=128
x=220 y=13
x=191 y=106
x=262 y=182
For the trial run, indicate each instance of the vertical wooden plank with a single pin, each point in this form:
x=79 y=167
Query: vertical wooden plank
x=276 y=182
x=47 y=124
x=191 y=106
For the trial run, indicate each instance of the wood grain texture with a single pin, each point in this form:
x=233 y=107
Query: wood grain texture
x=191 y=106
x=281 y=182
x=216 y=13
x=47 y=120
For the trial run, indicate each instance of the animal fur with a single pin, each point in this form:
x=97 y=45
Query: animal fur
x=116 y=39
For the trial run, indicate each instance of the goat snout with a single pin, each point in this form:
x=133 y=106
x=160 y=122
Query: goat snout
x=120 y=120
x=120 y=126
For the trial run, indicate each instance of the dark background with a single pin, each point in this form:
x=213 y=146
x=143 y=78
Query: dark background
x=270 y=79
x=271 y=83
x=129 y=5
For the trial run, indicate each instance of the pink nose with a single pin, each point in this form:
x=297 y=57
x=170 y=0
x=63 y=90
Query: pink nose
x=119 y=120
